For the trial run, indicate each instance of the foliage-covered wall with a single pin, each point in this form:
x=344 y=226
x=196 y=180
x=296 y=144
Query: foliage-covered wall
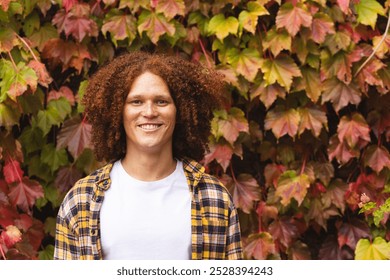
x=302 y=143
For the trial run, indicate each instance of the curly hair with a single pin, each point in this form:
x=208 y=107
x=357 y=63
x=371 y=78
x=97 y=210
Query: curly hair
x=195 y=90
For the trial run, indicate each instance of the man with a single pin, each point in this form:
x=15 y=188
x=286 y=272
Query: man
x=150 y=117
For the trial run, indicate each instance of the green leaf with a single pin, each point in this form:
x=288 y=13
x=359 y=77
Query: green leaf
x=276 y=41
x=54 y=158
x=377 y=250
x=368 y=11
x=120 y=26
x=222 y=27
x=155 y=25
x=248 y=19
x=42 y=35
x=282 y=69
x=8 y=40
x=38 y=169
x=80 y=95
x=31 y=24
x=47 y=253
x=312 y=83
x=246 y=62
x=8 y=116
x=61 y=106
x=32 y=139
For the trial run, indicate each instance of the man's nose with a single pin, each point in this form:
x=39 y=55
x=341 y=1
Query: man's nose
x=149 y=110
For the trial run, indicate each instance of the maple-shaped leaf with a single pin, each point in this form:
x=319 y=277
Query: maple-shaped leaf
x=335 y=194
x=171 y=8
x=341 y=151
x=351 y=232
x=330 y=250
x=368 y=11
x=53 y=157
x=311 y=83
x=318 y=213
x=229 y=125
x=120 y=26
x=321 y=26
x=11 y=235
x=276 y=41
x=5 y=4
x=222 y=27
x=75 y=134
x=16 y=80
x=155 y=25
x=248 y=18
x=260 y=246
x=340 y=94
x=66 y=178
x=68 y=4
x=299 y=251
x=284 y=230
x=369 y=74
x=35 y=234
x=354 y=129
x=282 y=122
x=67 y=53
x=8 y=39
x=268 y=94
x=246 y=62
x=293 y=17
x=292 y=185
x=65 y=92
x=245 y=191
x=377 y=157
x=8 y=116
x=42 y=35
x=379 y=249
x=338 y=65
x=44 y=78
x=24 y=193
x=76 y=22
x=384 y=75
x=12 y=171
x=272 y=172
x=344 y=6
x=282 y=69
x=312 y=119
x=221 y=153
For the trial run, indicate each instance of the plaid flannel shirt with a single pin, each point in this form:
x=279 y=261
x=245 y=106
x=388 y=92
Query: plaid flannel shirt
x=214 y=220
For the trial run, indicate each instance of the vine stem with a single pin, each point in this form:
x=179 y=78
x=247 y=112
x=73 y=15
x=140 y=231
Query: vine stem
x=377 y=47
x=28 y=47
x=13 y=61
x=205 y=53
x=2 y=251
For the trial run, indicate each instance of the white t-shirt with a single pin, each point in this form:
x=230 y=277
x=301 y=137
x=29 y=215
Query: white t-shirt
x=146 y=220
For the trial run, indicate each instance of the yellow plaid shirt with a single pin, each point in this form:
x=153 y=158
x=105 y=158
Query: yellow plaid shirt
x=215 y=227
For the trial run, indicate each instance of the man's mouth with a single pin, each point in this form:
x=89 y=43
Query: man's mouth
x=149 y=126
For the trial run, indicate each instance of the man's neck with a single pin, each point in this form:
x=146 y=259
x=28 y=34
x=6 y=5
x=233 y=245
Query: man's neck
x=149 y=167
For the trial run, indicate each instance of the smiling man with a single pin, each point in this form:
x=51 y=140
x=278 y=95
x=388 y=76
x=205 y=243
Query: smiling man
x=150 y=117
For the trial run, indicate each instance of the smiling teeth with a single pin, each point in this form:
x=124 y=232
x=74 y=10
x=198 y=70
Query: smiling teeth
x=149 y=126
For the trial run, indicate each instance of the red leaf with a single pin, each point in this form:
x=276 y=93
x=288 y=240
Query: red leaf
x=320 y=214
x=340 y=94
x=299 y=251
x=75 y=134
x=12 y=171
x=171 y=8
x=8 y=216
x=321 y=26
x=24 y=193
x=350 y=233
x=5 y=4
x=292 y=185
x=344 y=6
x=221 y=153
x=377 y=158
x=268 y=94
x=335 y=194
x=293 y=17
x=272 y=172
x=369 y=74
x=341 y=151
x=282 y=122
x=353 y=129
x=260 y=246
x=35 y=234
x=24 y=222
x=62 y=92
x=68 y=4
x=312 y=119
x=11 y=236
x=66 y=177
x=229 y=125
x=330 y=250
x=245 y=192
x=44 y=78
x=284 y=230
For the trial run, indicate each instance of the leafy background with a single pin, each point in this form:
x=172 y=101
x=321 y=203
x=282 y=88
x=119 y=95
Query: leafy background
x=302 y=142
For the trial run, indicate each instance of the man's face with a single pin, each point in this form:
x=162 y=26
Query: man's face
x=149 y=115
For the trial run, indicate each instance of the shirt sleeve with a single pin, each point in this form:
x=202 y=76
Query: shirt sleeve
x=66 y=241
x=233 y=240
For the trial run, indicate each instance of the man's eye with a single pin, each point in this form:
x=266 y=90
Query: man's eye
x=135 y=102
x=162 y=102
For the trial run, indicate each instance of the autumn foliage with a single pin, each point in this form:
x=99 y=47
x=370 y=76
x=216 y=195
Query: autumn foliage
x=302 y=143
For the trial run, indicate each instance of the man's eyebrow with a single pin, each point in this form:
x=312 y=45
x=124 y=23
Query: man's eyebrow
x=140 y=96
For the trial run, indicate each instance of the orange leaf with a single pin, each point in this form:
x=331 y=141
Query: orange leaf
x=340 y=94
x=291 y=185
x=245 y=192
x=377 y=158
x=260 y=246
x=282 y=122
x=353 y=129
x=312 y=119
x=62 y=92
x=221 y=153
x=44 y=78
x=340 y=150
x=293 y=17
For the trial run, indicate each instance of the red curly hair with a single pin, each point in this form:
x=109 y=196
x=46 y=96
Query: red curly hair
x=196 y=92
